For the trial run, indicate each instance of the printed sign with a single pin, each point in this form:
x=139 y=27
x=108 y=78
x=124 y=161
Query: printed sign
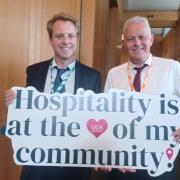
x=114 y=129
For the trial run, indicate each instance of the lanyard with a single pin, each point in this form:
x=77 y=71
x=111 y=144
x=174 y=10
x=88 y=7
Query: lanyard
x=63 y=80
x=147 y=77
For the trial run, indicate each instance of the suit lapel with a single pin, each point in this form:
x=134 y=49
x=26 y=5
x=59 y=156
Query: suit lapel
x=44 y=72
x=41 y=75
x=78 y=76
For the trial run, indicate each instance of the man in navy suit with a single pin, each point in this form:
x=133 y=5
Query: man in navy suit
x=63 y=33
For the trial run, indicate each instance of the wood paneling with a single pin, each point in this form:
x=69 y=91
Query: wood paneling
x=100 y=36
x=87 y=32
x=14 y=52
x=177 y=41
x=168 y=45
x=116 y=53
x=14 y=45
x=113 y=40
x=94 y=20
x=8 y=169
x=35 y=27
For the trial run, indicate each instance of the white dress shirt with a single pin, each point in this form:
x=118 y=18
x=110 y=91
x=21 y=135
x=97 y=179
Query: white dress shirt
x=163 y=78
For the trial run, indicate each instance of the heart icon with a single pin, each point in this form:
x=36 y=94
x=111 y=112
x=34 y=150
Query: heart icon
x=97 y=127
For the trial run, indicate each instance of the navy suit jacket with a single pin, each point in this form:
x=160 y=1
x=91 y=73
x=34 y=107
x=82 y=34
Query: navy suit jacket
x=86 y=78
x=115 y=174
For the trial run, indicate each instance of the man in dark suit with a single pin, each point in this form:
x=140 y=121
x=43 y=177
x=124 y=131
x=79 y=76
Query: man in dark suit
x=63 y=36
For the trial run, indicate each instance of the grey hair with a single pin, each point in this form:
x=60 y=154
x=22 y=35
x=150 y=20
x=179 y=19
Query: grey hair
x=137 y=19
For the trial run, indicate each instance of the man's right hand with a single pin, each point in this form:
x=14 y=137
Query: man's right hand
x=9 y=97
x=123 y=170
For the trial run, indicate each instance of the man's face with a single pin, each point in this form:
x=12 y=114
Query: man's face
x=64 y=41
x=138 y=41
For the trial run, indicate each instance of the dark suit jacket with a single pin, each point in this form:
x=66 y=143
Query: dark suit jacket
x=86 y=78
x=139 y=175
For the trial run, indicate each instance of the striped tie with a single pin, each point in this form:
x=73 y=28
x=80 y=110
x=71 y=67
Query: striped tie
x=59 y=80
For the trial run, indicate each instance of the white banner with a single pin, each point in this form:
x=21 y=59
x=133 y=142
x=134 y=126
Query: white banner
x=115 y=129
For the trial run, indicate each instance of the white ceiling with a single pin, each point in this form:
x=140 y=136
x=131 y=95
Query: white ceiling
x=160 y=31
x=143 y=5
x=154 y=5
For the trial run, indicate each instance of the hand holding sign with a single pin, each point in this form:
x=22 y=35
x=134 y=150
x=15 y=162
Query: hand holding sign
x=176 y=135
x=116 y=129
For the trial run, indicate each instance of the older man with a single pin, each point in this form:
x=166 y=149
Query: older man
x=143 y=73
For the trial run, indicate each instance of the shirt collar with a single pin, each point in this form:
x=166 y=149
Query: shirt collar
x=148 y=62
x=71 y=66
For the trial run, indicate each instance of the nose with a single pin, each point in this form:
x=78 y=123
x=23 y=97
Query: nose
x=137 y=41
x=65 y=39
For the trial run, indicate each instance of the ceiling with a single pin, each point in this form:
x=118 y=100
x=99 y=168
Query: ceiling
x=162 y=14
x=155 y=5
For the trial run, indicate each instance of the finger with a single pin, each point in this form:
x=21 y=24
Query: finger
x=96 y=169
x=176 y=133
x=104 y=169
x=124 y=170
x=177 y=139
x=132 y=170
x=9 y=96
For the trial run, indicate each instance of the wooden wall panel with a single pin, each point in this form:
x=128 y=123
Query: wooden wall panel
x=100 y=36
x=87 y=32
x=113 y=40
x=171 y=44
x=35 y=27
x=168 y=45
x=177 y=41
x=14 y=43
x=116 y=52
x=14 y=47
x=94 y=24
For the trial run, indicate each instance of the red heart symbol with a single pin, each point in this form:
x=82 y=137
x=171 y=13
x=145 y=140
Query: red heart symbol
x=97 y=127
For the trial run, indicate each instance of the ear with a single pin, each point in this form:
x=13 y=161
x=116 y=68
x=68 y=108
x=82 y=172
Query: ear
x=50 y=41
x=122 y=39
x=152 y=39
x=123 y=44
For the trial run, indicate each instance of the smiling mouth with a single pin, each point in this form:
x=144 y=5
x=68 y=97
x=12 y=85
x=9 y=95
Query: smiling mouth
x=138 y=50
x=65 y=49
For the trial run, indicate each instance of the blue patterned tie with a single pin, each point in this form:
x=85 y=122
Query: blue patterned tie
x=58 y=79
